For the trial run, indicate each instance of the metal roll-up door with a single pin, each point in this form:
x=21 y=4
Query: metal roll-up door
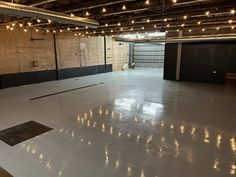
x=149 y=55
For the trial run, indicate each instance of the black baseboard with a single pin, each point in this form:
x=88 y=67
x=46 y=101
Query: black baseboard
x=83 y=71
x=18 y=79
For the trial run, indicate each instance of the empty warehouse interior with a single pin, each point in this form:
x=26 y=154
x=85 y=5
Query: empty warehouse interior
x=111 y=88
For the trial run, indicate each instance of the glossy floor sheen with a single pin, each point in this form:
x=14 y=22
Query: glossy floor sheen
x=134 y=125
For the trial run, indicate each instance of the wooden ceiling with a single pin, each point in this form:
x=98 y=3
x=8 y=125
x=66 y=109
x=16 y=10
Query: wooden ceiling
x=132 y=16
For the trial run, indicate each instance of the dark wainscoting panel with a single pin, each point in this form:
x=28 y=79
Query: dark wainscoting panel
x=207 y=62
x=170 y=61
x=18 y=79
x=83 y=71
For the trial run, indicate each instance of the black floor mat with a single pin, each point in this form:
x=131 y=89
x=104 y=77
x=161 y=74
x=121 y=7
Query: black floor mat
x=4 y=173
x=22 y=132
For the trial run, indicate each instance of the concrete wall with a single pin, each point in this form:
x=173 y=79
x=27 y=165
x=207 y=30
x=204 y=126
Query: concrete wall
x=18 y=51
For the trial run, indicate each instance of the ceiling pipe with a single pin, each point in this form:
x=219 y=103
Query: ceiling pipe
x=13 y=9
x=185 y=39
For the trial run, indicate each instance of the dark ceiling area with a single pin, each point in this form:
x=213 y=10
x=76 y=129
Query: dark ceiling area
x=134 y=16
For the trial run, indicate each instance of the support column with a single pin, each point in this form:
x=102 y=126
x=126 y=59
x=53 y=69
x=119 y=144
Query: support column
x=105 y=53
x=179 y=56
x=55 y=53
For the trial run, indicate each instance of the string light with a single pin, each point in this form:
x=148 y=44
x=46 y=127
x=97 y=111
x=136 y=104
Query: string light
x=174 y=1
x=185 y=17
x=132 y=21
x=94 y=32
x=68 y=29
x=54 y=31
x=61 y=30
x=165 y=20
x=230 y=21
x=106 y=24
x=47 y=31
x=232 y=11
x=217 y=28
x=38 y=20
x=118 y=24
x=104 y=10
x=190 y=30
x=111 y=31
x=86 y=27
x=25 y=30
x=203 y=29
x=147 y=2
x=76 y=34
x=72 y=15
x=232 y=27
x=87 y=13
x=155 y=26
x=36 y=30
x=13 y=24
x=29 y=24
x=143 y=28
x=21 y=25
x=102 y=31
x=207 y=13
x=199 y=23
x=168 y=25
x=123 y=7
x=49 y=21
x=182 y=25
x=148 y=21
x=76 y=27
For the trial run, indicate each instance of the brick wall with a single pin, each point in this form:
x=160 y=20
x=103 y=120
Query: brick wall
x=18 y=51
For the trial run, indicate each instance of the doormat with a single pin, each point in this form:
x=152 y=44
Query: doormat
x=20 y=133
x=4 y=173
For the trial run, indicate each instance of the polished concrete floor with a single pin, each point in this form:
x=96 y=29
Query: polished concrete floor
x=133 y=125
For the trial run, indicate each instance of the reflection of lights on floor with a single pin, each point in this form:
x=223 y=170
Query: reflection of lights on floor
x=218 y=141
x=216 y=165
x=138 y=138
x=233 y=145
x=206 y=136
x=193 y=131
x=117 y=164
x=182 y=129
x=142 y=174
x=129 y=171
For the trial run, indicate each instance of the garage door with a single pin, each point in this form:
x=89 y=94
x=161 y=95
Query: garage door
x=149 y=55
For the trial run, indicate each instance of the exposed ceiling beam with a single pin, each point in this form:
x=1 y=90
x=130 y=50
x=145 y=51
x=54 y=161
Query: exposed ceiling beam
x=13 y=9
x=41 y=3
x=98 y=5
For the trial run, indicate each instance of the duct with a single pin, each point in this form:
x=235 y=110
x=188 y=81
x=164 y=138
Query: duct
x=185 y=39
x=13 y=9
